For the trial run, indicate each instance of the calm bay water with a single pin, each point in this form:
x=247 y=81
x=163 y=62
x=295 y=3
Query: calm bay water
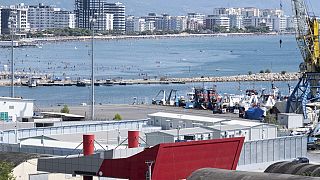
x=176 y=57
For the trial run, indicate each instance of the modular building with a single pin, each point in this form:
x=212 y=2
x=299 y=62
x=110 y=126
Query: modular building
x=187 y=134
x=249 y=129
x=290 y=120
x=15 y=109
x=169 y=121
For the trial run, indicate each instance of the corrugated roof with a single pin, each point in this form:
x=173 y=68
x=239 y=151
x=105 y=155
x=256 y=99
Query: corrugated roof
x=247 y=123
x=232 y=127
x=187 y=117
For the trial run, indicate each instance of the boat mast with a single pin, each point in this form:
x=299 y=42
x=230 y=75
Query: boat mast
x=12 y=63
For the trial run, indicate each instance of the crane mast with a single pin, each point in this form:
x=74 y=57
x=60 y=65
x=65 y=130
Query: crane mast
x=307 y=37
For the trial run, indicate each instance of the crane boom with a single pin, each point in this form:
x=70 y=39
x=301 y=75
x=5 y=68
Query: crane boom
x=307 y=36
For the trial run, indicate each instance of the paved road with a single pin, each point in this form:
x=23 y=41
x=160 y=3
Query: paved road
x=132 y=112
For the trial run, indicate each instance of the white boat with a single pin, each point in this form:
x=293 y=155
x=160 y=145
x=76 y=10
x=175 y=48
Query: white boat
x=32 y=82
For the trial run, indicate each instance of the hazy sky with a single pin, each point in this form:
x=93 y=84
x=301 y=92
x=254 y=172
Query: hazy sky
x=178 y=7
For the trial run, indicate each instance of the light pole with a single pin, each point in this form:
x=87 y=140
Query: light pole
x=92 y=21
x=12 y=63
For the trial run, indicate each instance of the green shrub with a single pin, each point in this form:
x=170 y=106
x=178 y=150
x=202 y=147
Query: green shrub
x=65 y=109
x=117 y=117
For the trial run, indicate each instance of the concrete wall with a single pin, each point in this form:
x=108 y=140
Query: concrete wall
x=269 y=150
x=157 y=138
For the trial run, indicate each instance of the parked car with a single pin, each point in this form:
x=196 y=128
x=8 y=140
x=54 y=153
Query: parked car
x=301 y=160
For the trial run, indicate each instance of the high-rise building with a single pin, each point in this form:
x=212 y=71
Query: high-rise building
x=64 y=19
x=178 y=23
x=42 y=17
x=129 y=24
x=196 y=21
x=213 y=21
x=86 y=10
x=236 y=21
x=14 y=19
x=7 y=21
x=100 y=10
x=139 y=25
x=118 y=10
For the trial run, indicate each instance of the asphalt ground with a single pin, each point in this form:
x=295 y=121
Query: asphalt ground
x=134 y=112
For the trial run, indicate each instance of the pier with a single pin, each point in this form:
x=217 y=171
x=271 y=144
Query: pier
x=43 y=79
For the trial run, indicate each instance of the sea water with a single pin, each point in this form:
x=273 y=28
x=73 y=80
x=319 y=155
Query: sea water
x=154 y=58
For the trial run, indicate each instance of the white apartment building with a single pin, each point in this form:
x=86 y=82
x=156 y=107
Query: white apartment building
x=262 y=22
x=21 y=16
x=64 y=19
x=213 y=21
x=250 y=12
x=279 y=23
x=236 y=21
x=178 y=23
x=292 y=22
x=42 y=17
x=139 y=25
x=150 y=26
x=104 y=22
x=129 y=24
x=196 y=21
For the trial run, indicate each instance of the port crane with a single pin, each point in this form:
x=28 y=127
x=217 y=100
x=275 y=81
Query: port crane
x=307 y=37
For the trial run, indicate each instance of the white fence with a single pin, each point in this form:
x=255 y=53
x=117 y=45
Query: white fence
x=269 y=150
x=12 y=136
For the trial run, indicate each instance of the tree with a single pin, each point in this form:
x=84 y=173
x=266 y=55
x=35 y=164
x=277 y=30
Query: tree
x=117 y=117
x=261 y=71
x=65 y=109
x=6 y=171
x=267 y=71
x=249 y=72
x=283 y=72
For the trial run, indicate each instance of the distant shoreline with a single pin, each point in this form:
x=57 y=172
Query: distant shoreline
x=126 y=37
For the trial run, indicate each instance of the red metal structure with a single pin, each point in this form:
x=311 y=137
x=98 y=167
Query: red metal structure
x=174 y=161
x=133 y=139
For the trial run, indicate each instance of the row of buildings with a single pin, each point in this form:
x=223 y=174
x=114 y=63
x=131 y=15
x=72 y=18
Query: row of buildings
x=104 y=16
x=225 y=18
x=22 y=18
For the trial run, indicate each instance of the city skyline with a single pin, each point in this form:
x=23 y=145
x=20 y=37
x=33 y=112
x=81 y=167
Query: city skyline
x=142 y=7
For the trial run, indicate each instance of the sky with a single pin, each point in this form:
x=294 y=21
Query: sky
x=178 y=7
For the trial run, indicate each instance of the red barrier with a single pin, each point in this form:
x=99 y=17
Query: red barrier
x=133 y=139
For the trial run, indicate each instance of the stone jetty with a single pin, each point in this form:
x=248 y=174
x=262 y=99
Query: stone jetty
x=43 y=81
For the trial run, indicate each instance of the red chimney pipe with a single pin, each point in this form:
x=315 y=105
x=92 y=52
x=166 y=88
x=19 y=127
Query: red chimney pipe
x=88 y=149
x=133 y=139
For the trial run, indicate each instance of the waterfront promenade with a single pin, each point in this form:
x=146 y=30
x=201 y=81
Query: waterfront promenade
x=45 y=81
x=124 y=37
